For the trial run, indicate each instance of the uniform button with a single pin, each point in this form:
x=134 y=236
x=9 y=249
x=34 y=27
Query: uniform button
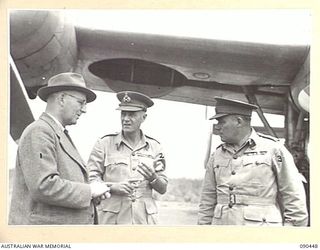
x=230 y=188
x=218 y=166
x=233 y=172
x=235 y=157
x=264 y=219
x=230 y=205
x=133 y=154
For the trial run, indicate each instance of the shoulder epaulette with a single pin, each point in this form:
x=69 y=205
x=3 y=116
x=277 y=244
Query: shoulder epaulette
x=114 y=134
x=220 y=145
x=152 y=138
x=268 y=137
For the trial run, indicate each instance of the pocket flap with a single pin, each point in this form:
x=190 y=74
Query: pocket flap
x=256 y=160
x=151 y=206
x=115 y=160
x=221 y=163
x=111 y=205
x=263 y=214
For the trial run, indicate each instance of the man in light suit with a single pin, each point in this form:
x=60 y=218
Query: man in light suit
x=51 y=179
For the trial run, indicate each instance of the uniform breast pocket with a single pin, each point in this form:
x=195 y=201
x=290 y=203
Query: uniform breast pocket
x=116 y=168
x=221 y=166
x=258 y=173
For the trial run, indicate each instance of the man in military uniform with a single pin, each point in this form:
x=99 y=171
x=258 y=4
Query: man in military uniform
x=132 y=164
x=251 y=178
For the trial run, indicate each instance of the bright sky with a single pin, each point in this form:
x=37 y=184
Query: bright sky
x=261 y=26
x=181 y=128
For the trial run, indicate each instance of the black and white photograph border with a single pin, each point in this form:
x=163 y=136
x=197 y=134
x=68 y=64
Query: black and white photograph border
x=180 y=58
x=183 y=61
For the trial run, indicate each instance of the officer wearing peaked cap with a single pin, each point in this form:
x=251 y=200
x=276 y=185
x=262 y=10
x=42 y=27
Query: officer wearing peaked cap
x=251 y=178
x=132 y=163
x=228 y=107
x=133 y=101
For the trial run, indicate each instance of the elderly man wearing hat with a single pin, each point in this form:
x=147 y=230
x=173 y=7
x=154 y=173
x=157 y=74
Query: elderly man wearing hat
x=251 y=178
x=51 y=180
x=132 y=163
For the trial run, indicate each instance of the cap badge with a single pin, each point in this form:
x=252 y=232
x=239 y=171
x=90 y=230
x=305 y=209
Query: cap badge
x=126 y=98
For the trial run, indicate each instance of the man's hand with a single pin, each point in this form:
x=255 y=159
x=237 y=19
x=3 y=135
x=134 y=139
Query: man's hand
x=99 y=189
x=98 y=199
x=121 y=188
x=147 y=172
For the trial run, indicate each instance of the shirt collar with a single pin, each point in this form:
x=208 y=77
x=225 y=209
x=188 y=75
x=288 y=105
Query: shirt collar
x=252 y=141
x=253 y=138
x=121 y=140
x=56 y=121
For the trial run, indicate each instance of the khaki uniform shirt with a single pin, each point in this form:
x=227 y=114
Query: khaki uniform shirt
x=113 y=160
x=257 y=185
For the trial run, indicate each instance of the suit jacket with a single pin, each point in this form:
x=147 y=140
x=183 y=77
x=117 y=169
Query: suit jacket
x=50 y=181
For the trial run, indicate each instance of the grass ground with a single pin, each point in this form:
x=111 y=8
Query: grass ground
x=173 y=213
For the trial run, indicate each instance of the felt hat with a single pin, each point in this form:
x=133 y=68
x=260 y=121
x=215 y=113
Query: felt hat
x=66 y=81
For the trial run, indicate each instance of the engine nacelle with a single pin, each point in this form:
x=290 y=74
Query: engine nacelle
x=43 y=44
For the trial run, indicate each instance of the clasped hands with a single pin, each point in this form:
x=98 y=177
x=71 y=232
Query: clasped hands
x=103 y=190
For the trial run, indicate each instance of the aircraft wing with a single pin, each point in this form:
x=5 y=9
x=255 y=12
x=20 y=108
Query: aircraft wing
x=188 y=69
x=182 y=69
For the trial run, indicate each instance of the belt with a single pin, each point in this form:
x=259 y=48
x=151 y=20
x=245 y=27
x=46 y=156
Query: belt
x=138 y=193
x=239 y=199
x=142 y=192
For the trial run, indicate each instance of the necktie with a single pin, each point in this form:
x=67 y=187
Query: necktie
x=68 y=136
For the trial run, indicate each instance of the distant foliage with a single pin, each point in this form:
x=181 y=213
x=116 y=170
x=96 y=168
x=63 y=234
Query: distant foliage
x=182 y=190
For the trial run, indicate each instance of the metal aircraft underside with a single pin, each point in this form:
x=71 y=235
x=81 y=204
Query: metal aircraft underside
x=192 y=70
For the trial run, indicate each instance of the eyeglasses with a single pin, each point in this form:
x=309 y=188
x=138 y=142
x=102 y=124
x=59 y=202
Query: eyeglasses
x=80 y=101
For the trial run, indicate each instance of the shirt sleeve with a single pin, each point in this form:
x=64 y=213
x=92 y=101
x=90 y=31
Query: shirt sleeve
x=292 y=196
x=161 y=182
x=208 y=198
x=96 y=162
